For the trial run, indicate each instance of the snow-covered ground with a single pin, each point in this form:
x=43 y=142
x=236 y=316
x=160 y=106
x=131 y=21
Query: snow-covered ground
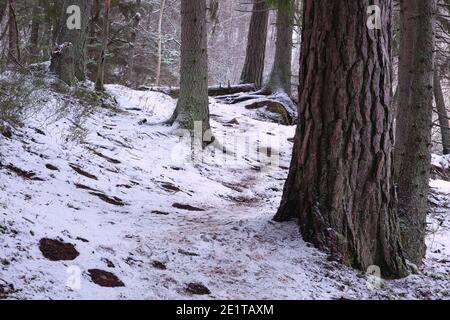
x=122 y=191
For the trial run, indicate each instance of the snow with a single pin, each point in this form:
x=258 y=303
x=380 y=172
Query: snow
x=232 y=247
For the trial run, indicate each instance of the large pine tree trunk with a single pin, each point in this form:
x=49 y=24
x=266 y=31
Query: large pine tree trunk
x=68 y=59
x=280 y=76
x=193 y=101
x=340 y=184
x=442 y=112
x=414 y=120
x=256 y=44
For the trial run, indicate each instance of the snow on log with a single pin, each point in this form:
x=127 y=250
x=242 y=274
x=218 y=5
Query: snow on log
x=213 y=91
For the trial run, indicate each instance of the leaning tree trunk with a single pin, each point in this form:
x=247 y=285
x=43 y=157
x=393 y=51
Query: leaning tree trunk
x=340 y=183
x=442 y=112
x=68 y=58
x=414 y=121
x=256 y=44
x=280 y=76
x=193 y=101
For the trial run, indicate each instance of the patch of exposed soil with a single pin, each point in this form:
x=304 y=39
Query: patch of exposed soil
x=80 y=171
x=111 y=200
x=186 y=207
x=56 y=250
x=105 y=278
x=197 y=289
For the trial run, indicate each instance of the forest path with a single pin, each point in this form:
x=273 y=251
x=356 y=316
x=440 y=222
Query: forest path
x=127 y=200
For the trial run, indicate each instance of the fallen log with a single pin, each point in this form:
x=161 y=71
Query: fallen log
x=213 y=91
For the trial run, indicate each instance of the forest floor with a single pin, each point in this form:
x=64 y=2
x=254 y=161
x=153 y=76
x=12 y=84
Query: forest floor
x=116 y=195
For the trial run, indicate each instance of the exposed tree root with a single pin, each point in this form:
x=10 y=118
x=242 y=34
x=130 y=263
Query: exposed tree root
x=279 y=103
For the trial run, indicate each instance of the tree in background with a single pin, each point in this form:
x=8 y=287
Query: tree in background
x=340 y=184
x=280 y=76
x=414 y=121
x=68 y=58
x=13 y=47
x=253 y=70
x=100 y=80
x=193 y=105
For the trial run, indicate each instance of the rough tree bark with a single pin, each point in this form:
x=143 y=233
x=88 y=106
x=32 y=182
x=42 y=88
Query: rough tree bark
x=442 y=112
x=414 y=121
x=68 y=58
x=256 y=44
x=280 y=76
x=340 y=184
x=193 y=101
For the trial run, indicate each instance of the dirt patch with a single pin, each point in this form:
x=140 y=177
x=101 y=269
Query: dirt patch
x=51 y=167
x=111 y=200
x=101 y=155
x=27 y=175
x=160 y=212
x=170 y=187
x=105 y=278
x=197 y=289
x=159 y=265
x=187 y=253
x=85 y=187
x=186 y=207
x=80 y=171
x=55 y=250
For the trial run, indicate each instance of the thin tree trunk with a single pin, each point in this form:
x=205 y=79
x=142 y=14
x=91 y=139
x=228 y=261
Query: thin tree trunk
x=34 y=36
x=340 y=183
x=13 y=48
x=100 y=82
x=256 y=44
x=414 y=121
x=193 y=102
x=131 y=81
x=442 y=112
x=3 y=7
x=161 y=16
x=280 y=77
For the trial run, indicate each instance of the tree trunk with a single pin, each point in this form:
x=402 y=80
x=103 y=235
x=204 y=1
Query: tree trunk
x=280 y=77
x=414 y=121
x=74 y=42
x=34 y=36
x=131 y=80
x=193 y=102
x=340 y=183
x=256 y=44
x=158 y=67
x=13 y=32
x=3 y=7
x=442 y=112
x=100 y=81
